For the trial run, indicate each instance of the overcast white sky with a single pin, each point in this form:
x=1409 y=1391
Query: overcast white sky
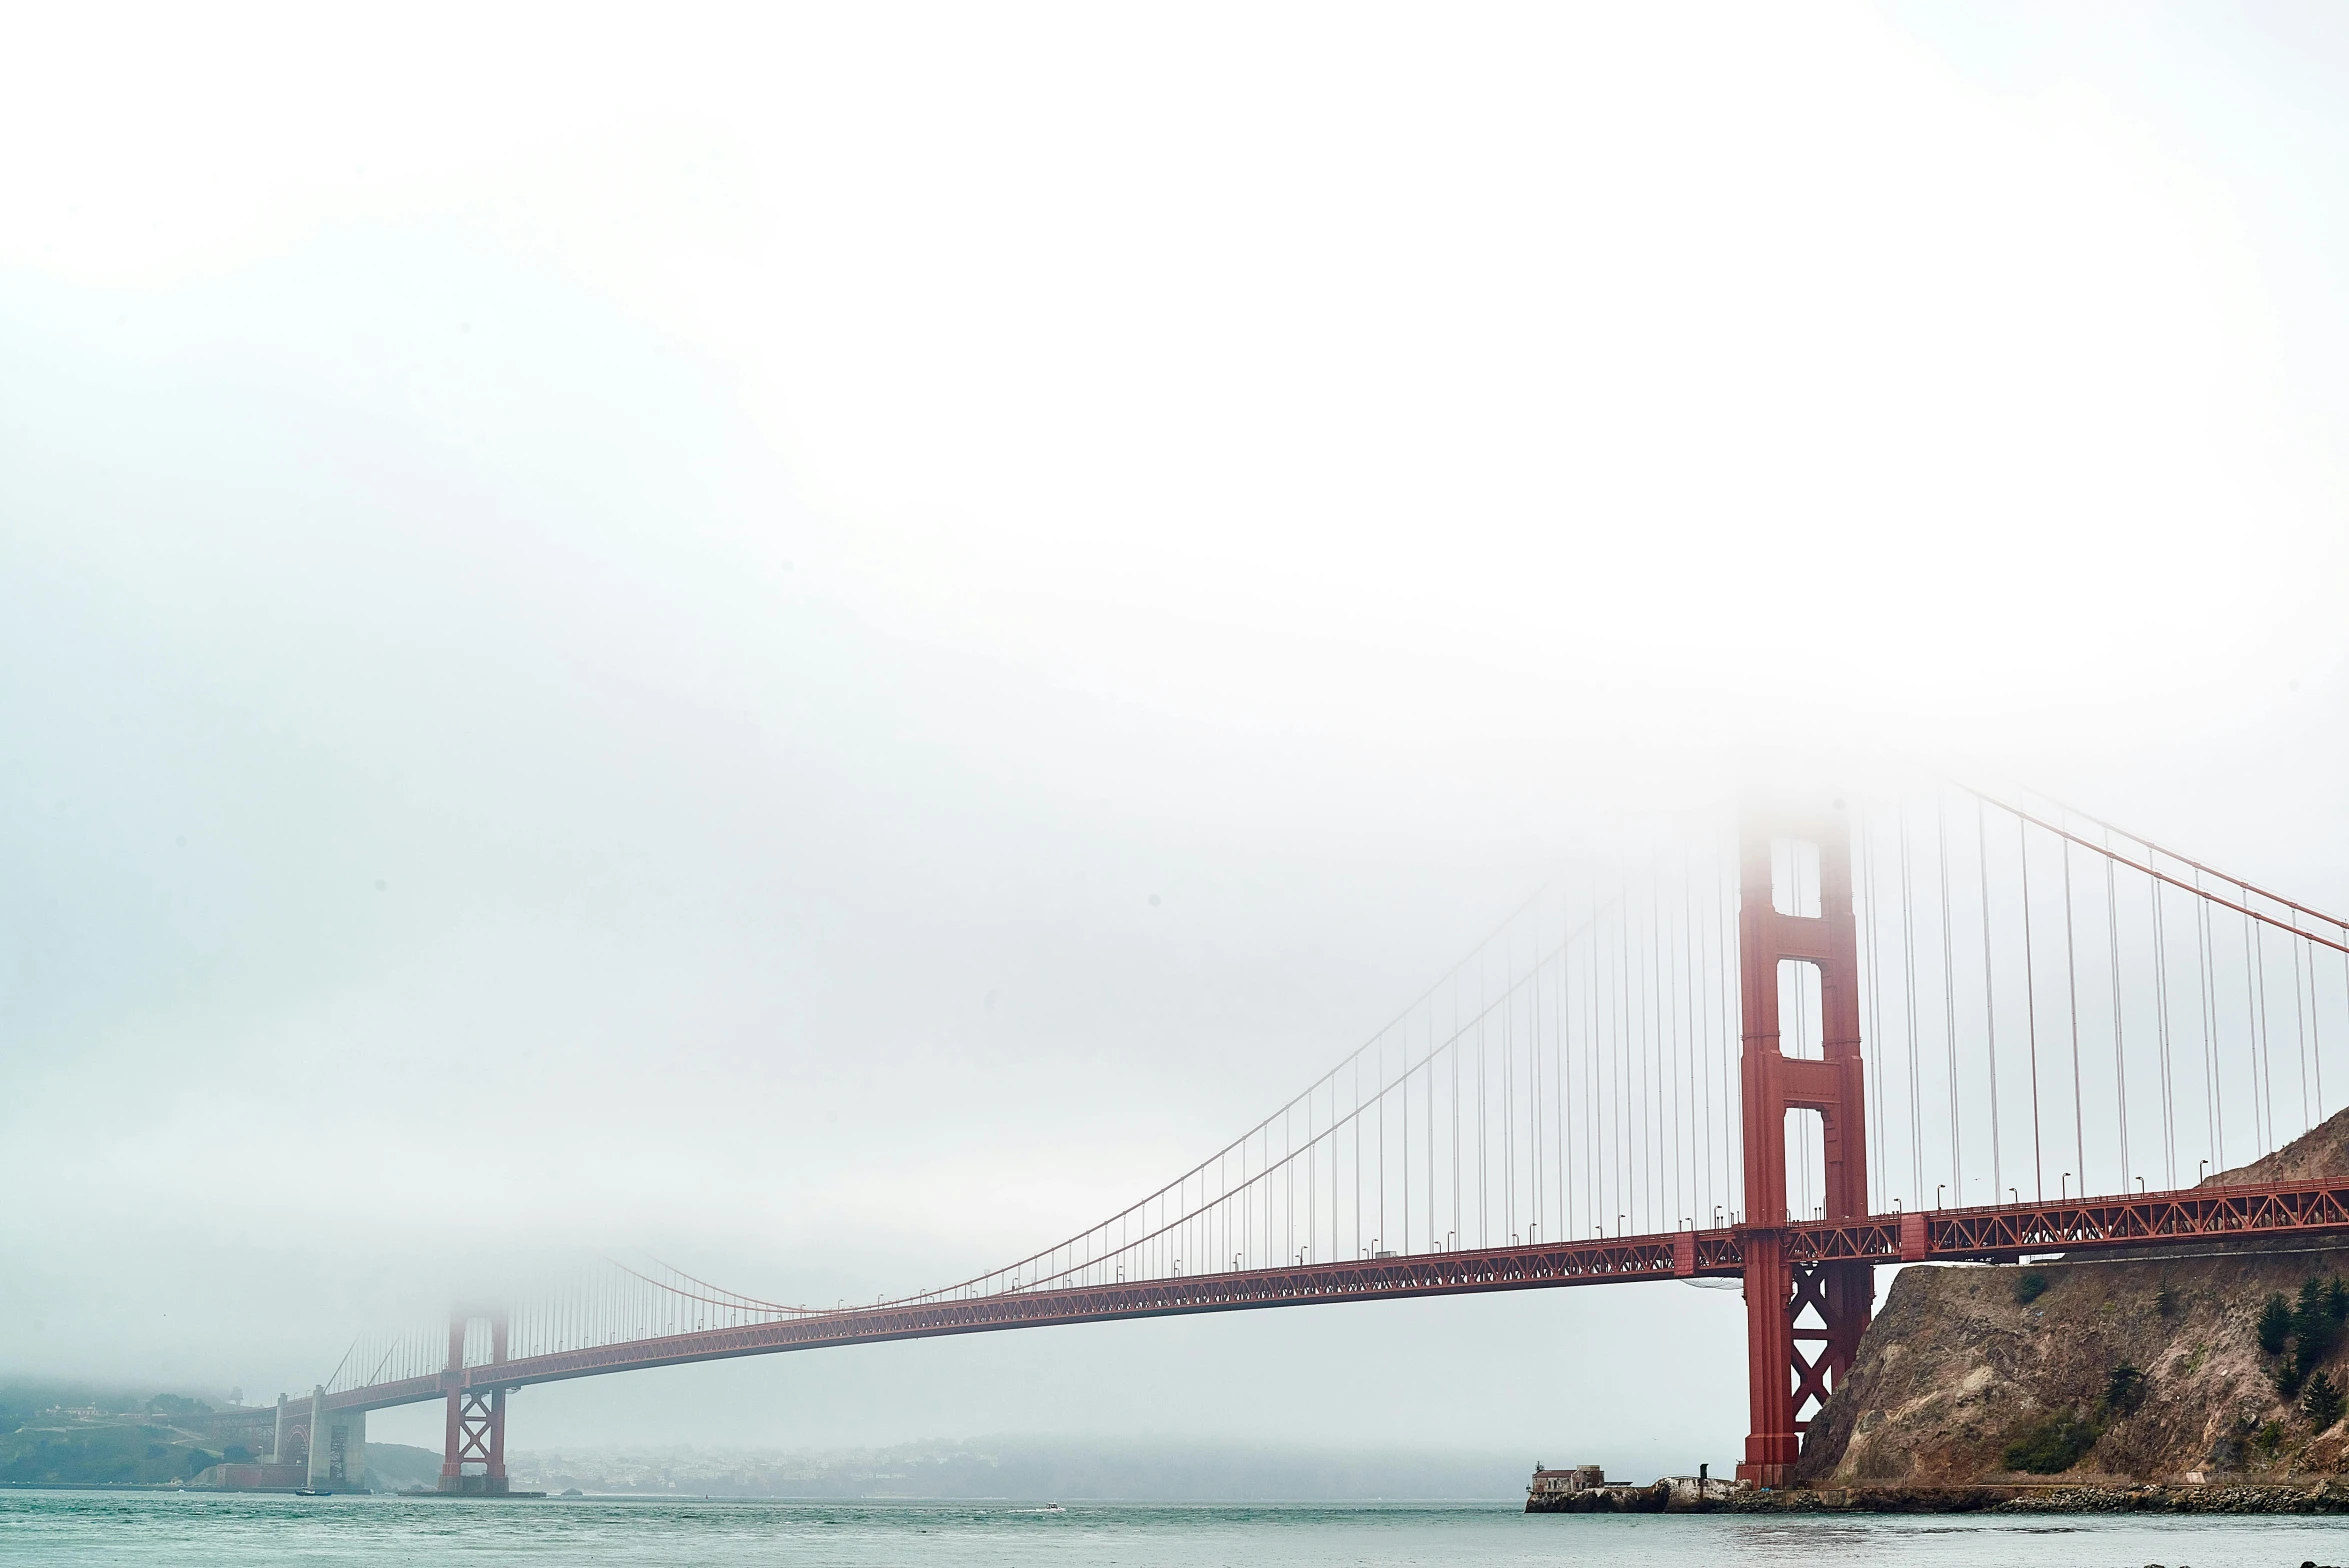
x=609 y=619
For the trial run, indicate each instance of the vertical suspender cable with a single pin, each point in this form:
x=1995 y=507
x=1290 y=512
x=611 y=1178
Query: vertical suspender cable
x=1667 y=1070
x=1483 y=1186
x=2112 y=918
x=1725 y=893
x=1359 y=1197
x=1989 y=999
x=1533 y=1078
x=2316 y=1033
x=1585 y=1085
x=1509 y=1098
x=1908 y=934
x=1957 y=1173
x=1643 y=1144
x=1700 y=1083
x=1618 y=1030
x=1627 y=1107
x=2213 y=1106
x=2256 y=972
x=1293 y=1247
x=1562 y=1066
x=1685 y=1132
x=1383 y=1240
x=1619 y=1063
x=2161 y=1019
x=1313 y=1188
x=1598 y=1009
x=2031 y=1010
x=1651 y=1060
x=1873 y=1047
x=2072 y=989
x=2344 y=971
x=1654 y=1092
x=2300 y=1048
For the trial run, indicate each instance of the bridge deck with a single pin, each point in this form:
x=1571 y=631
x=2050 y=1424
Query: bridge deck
x=1996 y=1233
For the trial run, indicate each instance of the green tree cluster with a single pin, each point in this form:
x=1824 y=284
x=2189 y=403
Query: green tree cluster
x=2300 y=1334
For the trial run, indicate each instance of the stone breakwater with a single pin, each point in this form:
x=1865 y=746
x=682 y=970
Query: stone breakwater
x=2327 y=1496
x=2316 y=1497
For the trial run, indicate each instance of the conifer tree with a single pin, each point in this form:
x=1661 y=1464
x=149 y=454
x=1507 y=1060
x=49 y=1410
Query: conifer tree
x=2322 y=1403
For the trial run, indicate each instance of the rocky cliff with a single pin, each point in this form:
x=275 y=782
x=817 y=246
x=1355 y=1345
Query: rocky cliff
x=2174 y=1368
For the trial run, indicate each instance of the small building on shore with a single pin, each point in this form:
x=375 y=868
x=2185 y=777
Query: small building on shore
x=1566 y=1483
x=1585 y=1489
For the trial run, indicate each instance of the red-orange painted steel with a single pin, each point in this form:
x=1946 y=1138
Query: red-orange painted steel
x=474 y=1431
x=2195 y=1217
x=1783 y=1383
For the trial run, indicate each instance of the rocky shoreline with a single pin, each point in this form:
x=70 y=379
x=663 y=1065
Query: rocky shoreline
x=2320 y=1497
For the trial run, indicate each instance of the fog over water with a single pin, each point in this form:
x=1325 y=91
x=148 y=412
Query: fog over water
x=825 y=645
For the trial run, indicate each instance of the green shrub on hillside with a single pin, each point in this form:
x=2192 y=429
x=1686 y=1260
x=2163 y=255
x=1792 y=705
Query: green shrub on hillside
x=2030 y=1285
x=120 y=1455
x=2053 y=1446
x=2124 y=1390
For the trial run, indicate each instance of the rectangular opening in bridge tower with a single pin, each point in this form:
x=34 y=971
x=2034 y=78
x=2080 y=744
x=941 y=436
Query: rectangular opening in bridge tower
x=1806 y=1165
x=1802 y=1024
x=1794 y=877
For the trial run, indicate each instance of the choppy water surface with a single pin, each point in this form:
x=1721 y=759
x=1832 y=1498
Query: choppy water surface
x=76 y=1528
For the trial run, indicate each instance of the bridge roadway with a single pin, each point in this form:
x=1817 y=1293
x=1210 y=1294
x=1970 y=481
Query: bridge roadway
x=1999 y=1233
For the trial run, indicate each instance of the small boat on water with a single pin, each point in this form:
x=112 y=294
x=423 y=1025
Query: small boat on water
x=1054 y=1508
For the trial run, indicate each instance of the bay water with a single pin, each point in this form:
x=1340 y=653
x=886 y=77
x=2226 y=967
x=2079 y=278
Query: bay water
x=118 y=1530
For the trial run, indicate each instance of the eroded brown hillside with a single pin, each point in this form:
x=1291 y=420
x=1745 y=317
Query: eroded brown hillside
x=1963 y=1363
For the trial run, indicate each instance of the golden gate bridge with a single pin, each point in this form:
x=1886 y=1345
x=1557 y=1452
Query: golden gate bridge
x=1782 y=1048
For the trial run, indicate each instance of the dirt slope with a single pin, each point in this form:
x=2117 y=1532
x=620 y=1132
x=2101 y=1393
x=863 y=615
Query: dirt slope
x=2315 y=1156
x=1959 y=1365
